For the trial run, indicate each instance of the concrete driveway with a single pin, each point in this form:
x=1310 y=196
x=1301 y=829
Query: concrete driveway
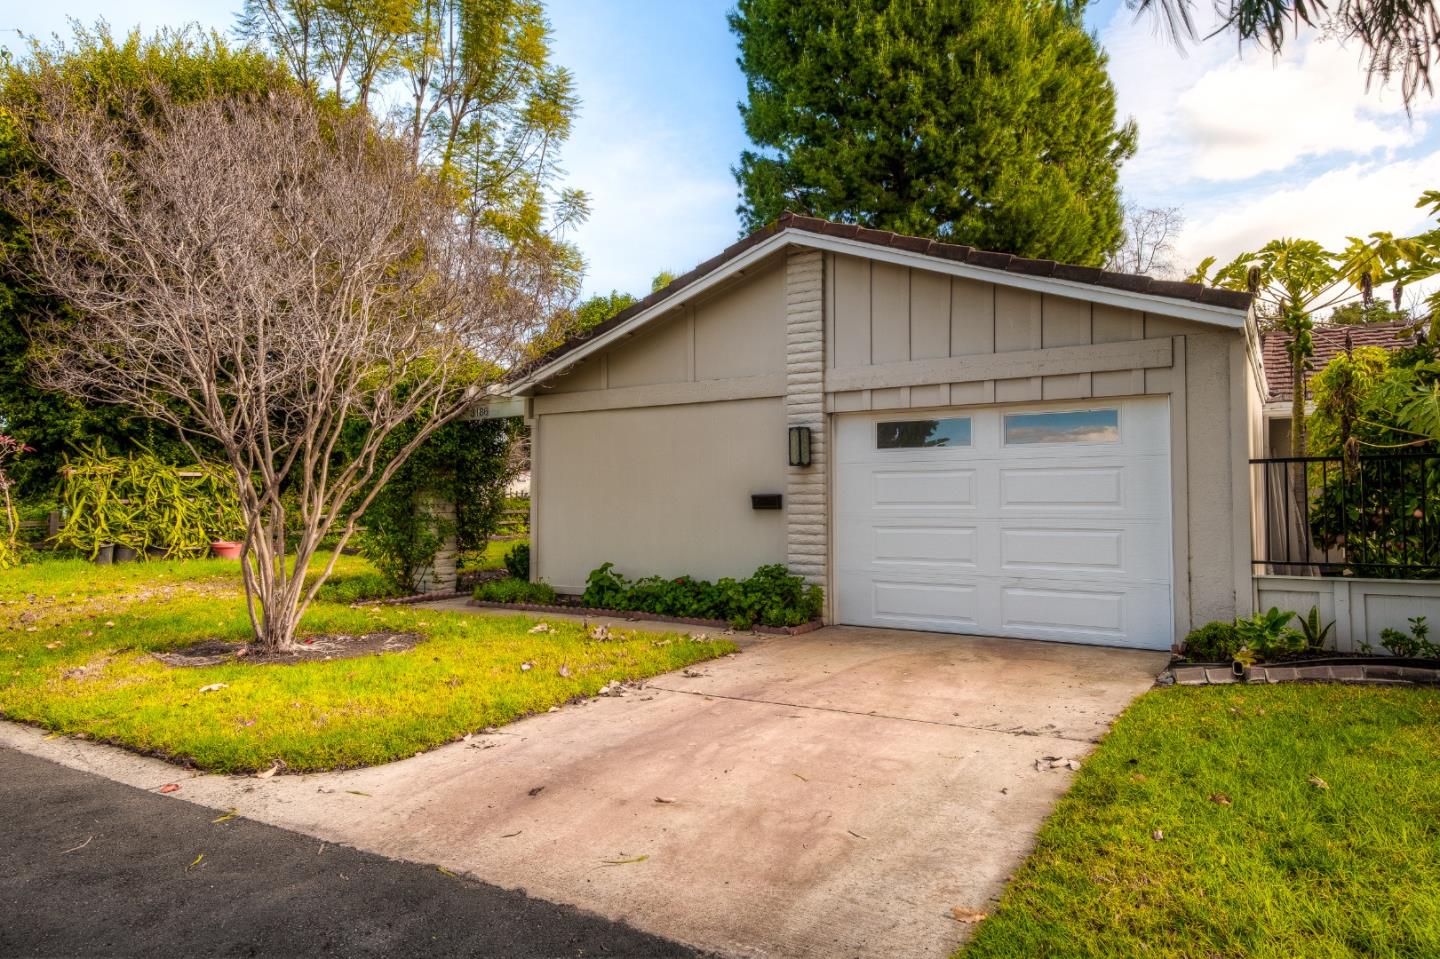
x=833 y=794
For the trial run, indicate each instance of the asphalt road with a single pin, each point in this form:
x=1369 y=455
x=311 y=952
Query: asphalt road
x=90 y=867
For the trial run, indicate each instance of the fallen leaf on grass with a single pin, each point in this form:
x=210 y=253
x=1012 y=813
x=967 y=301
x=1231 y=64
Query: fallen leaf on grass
x=624 y=862
x=170 y=788
x=1157 y=835
x=961 y=914
x=541 y=628
x=55 y=645
x=564 y=672
x=213 y=687
x=1318 y=783
x=601 y=632
x=1220 y=799
x=526 y=667
x=227 y=817
x=267 y=773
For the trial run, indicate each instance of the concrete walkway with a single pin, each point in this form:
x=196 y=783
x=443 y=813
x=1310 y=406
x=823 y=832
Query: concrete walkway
x=827 y=795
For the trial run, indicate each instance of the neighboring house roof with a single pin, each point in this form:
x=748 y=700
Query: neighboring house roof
x=1087 y=282
x=1329 y=342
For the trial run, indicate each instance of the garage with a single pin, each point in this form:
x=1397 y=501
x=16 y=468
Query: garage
x=1030 y=521
x=938 y=438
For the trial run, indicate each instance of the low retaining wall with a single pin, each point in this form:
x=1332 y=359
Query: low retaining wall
x=1359 y=607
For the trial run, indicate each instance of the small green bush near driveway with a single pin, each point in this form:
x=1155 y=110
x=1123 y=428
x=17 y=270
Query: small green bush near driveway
x=75 y=657
x=1265 y=822
x=512 y=590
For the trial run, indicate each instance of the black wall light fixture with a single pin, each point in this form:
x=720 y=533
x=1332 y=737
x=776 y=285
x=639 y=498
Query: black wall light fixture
x=799 y=446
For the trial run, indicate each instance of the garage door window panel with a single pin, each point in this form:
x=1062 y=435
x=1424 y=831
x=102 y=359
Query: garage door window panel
x=1068 y=426
x=947 y=433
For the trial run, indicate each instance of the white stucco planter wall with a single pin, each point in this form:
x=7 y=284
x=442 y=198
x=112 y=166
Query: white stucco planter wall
x=1359 y=607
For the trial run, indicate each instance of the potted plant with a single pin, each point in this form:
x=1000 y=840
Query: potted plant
x=226 y=549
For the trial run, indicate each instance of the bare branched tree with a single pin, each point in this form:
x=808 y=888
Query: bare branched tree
x=272 y=280
x=1149 y=241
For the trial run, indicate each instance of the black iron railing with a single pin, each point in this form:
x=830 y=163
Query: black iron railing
x=1375 y=516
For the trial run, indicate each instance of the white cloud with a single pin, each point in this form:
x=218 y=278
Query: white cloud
x=1354 y=199
x=1220 y=113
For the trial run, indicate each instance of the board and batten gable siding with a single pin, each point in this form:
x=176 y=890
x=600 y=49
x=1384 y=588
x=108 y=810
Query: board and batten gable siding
x=646 y=455
x=901 y=338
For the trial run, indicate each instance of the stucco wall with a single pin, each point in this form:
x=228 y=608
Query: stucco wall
x=662 y=489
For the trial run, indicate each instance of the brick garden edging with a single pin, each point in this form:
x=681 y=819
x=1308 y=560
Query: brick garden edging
x=636 y=615
x=1377 y=673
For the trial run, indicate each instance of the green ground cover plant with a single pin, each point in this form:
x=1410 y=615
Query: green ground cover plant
x=76 y=645
x=1266 y=822
x=771 y=596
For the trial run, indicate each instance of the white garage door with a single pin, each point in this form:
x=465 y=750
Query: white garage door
x=1042 y=522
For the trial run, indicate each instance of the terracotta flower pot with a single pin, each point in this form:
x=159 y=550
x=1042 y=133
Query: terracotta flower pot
x=224 y=549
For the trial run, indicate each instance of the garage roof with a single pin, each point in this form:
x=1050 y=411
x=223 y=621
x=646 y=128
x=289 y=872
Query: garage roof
x=1188 y=300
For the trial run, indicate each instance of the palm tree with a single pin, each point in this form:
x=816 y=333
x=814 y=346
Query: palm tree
x=1399 y=37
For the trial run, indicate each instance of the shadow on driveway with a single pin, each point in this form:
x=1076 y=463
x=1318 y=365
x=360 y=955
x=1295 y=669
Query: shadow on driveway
x=90 y=867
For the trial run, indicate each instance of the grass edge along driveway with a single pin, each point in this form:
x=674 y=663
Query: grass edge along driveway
x=1273 y=821
x=75 y=645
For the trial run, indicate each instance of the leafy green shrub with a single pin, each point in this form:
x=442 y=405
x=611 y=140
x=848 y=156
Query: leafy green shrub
x=605 y=588
x=517 y=561
x=1417 y=645
x=1267 y=636
x=357 y=587
x=465 y=463
x=1215 y=642
x=512 y=590
x=770 y=596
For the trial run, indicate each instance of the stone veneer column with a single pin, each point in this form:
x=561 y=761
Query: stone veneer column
x=442 y=574
x=806 y=519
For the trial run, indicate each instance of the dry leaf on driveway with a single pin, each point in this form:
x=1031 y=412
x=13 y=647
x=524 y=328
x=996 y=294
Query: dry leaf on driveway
x=170 y=788
x=961 y=914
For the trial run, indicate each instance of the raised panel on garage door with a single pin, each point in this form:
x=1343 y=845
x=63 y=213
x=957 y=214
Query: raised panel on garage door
x=1038 y=521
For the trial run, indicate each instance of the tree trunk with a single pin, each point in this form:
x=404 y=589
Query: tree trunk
x=277 y=631
x=1299 y=476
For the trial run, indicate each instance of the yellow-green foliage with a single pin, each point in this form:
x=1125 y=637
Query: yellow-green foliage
x=78 y=660
x=140 y=501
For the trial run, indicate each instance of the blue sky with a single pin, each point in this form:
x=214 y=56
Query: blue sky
x=1248 y=147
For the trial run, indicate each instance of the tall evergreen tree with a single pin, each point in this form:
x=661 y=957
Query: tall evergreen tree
x=987 y=122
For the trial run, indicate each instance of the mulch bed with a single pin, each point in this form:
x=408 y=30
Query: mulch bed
x=634 y=616
x=213 y=652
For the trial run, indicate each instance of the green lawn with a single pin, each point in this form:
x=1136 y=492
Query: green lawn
x=493 y=555
x=1328 y=846
x=75 y=644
